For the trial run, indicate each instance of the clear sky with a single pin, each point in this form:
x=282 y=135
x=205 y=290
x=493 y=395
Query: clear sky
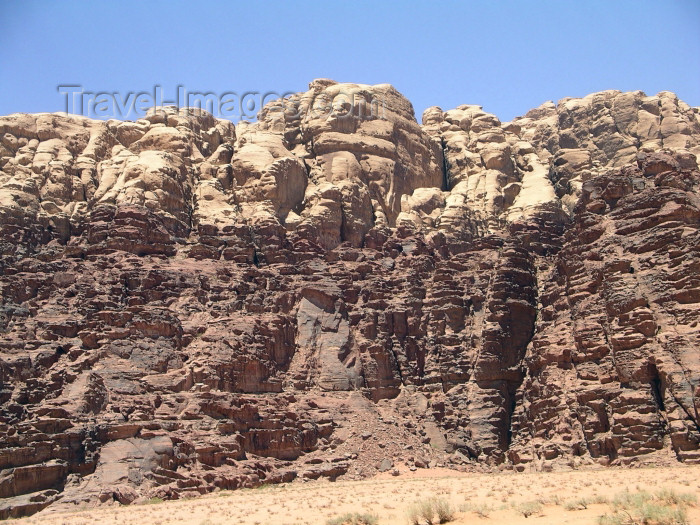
x=507 y=56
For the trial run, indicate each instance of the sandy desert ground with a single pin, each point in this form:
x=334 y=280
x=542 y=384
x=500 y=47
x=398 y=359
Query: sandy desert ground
x=504 y=498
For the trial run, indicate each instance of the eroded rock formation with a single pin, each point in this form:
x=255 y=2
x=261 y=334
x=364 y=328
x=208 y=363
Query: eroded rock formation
x=336 y=289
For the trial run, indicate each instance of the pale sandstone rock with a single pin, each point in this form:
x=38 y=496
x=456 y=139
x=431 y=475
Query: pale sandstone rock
x=482 y=159
x=611 y=127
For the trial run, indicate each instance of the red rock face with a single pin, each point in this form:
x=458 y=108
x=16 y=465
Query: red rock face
x=613 y=365
x=187 y=305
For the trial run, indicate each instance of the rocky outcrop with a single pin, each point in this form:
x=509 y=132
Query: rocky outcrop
x=613 y=365
x=335 y=289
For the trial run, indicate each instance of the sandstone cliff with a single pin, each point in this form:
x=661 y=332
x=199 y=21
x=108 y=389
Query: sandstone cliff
x=335 y=289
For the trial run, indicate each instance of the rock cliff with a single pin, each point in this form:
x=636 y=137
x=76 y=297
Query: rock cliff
x=335 y=290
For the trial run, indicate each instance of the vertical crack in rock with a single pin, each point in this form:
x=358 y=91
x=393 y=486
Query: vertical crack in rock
x=445 y=173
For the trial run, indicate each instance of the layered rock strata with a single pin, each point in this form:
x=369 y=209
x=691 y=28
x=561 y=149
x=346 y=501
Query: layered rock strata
x=335 y=290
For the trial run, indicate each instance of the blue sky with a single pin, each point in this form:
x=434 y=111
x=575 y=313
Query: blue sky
x=508 y=56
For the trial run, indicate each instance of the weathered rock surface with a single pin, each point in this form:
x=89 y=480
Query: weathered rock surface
x=332 y=290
